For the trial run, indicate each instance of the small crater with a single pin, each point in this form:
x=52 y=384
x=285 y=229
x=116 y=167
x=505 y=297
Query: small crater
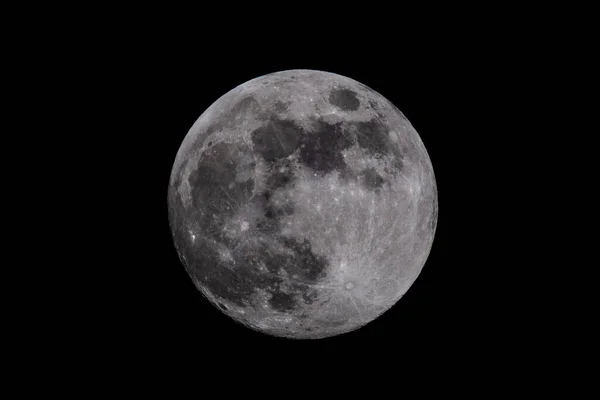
x=344 y=99
x=223 y=306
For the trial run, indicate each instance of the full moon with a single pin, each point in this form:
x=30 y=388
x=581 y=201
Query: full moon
x=302 y=204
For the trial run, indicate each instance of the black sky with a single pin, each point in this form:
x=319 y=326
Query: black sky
x=450 y=90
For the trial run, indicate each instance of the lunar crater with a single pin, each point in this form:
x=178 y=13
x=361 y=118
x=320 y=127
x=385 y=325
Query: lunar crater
x=344 y=99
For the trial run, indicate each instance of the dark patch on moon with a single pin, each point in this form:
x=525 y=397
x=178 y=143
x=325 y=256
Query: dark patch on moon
x=309 y=296
x=234 y=281
x=373 y=136
x=233 y=117
x=344 y=99
x=204 y=264
x=370 y=179
x=246 y=106
x=215 y=193
x=299 y=261
x=278 y=139
x=280 y=106
x=308 y=266
x=243 y=105
x=397 y=164
x=280 y=176
x=269 y=223
x=282 y=301
x=322 y=148
x=274 y=213
x=347 y=175
x=216 y=198
x=236 y=277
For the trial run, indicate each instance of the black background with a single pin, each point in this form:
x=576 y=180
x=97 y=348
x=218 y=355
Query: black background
x=455 y=90
x=111 y=91
x=443 y=309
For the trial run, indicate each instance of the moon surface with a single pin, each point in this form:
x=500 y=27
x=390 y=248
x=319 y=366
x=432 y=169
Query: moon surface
x=303 y=204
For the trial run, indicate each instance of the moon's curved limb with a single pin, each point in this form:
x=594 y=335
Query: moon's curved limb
x=303 y=204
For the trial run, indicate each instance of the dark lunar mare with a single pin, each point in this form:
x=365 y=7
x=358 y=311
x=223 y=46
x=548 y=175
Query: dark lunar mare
x=344 y=99
x=320 y=149
x=371 y=179
x=277 y=139
x=217 y=170
x=216 y=197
